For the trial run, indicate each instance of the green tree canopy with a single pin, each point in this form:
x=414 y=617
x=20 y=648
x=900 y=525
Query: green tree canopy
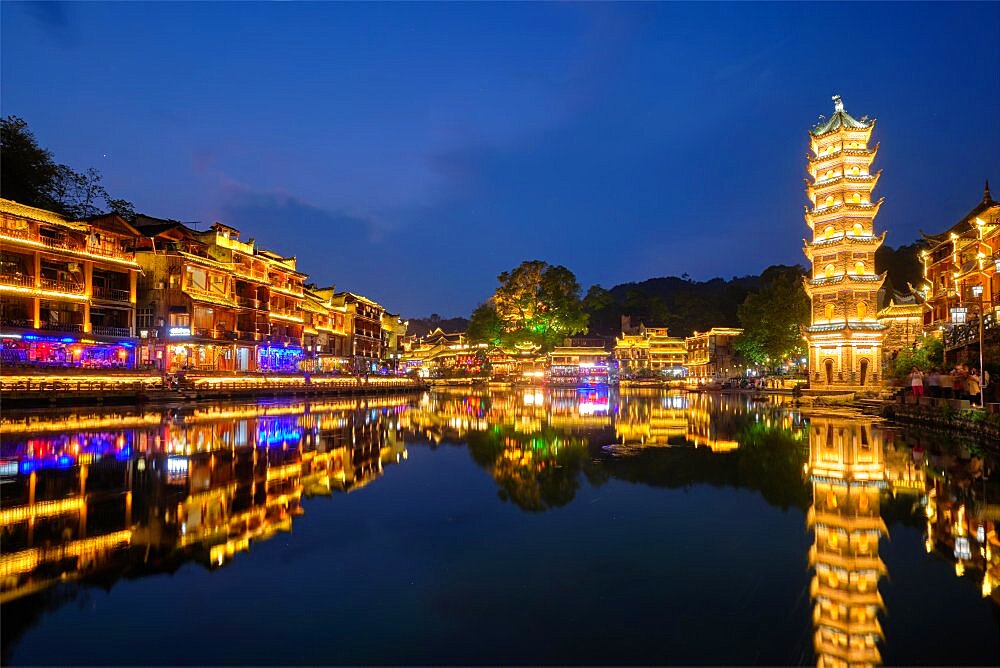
x=773 y=316
x=31 y=176
x=534 y=302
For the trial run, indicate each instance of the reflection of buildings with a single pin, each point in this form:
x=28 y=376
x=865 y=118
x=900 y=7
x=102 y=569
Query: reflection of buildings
x=156 y=492
x=961 y=521
x=848 y=474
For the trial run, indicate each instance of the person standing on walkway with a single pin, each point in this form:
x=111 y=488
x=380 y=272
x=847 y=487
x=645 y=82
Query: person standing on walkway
x=917 y=382
x=973 y=387
x=934 y=383
x=947 y=386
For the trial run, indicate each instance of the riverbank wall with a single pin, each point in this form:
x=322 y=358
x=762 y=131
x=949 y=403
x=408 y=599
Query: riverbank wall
x=79 y=389
x=947 y=415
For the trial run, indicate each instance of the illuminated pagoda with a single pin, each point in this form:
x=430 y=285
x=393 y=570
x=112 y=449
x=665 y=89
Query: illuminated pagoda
x=847 y=472
x=845 y=337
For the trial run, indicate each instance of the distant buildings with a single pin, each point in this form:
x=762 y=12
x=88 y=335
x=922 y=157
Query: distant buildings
x=711 y=355
x=649 y=349
x=580 y=361
x=107 y=293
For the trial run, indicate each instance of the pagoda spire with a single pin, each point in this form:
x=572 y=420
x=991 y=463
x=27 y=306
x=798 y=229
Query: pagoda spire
x=986 y=192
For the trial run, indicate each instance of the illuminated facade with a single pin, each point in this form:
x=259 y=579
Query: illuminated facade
x=904 y=324
x=960 y=264
x=326 y=332
x=711 y=356
x=652 y=349
x=844 y=337
x=580 y=362
x=67 y=289
x=211 y=302
x=365 y=318
x=847 y=473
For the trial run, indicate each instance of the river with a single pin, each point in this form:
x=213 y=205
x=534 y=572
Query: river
x=494 y=527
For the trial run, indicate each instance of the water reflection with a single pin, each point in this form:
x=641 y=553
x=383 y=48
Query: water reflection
x=160 y=488
x=99 y=495
x=848 y=475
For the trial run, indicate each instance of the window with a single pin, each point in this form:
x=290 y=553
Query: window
x=858 y=229
x=829 y=200
x=859 y=268
x=857 y=198
x=179 y=320
x=862 y=310
x=196 y=278
x=144 y=317
x=828 y=232
x=829 y=311
x=828 y=271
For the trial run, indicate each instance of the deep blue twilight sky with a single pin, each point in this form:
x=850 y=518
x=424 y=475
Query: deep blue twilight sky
x=413 y=151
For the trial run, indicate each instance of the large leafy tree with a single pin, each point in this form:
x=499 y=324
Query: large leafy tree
x=534 y=302
x=485 y=325
x=30 y=175
x=773 y=316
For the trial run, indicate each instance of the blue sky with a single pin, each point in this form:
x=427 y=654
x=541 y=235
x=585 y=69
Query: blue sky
x=412 y=152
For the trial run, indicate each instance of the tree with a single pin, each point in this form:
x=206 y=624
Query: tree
x=772 y=318
x=30 y=175
x=924 y=354
x=485 y=325
x=535 y=302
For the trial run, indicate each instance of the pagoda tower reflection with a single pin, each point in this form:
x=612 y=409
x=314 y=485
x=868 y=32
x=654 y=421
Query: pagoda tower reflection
x=847 y=472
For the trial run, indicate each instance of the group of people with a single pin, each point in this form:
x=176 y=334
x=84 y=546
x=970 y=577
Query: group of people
x=962 y=382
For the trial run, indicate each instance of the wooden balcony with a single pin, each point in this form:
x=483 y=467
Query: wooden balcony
x=111 y=331
x=110 y=294
x=17 y=279
x=56 y=285
x=13 y=228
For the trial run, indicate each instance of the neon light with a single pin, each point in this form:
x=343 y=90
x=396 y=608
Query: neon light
x=179 y=331
x=67 y=339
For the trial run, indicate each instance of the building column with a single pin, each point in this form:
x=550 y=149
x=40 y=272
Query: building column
x=37 y=306
x=88 y=290
x=133 y=278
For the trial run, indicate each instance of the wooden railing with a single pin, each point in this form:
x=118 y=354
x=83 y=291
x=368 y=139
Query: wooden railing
x=111 y=294
x=17 y=279
x=57 y=285
x=111 y=331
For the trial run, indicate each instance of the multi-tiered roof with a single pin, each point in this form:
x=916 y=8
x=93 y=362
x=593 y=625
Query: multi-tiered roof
x=843 y=285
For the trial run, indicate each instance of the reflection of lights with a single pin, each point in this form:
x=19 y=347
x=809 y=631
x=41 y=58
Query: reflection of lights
x=963 y=549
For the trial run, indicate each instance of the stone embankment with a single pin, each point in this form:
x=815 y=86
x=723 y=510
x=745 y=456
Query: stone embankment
x=71 y=389
x=954 y=415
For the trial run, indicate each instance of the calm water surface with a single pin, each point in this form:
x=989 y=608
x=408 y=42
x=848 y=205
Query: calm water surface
x=523 y=527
